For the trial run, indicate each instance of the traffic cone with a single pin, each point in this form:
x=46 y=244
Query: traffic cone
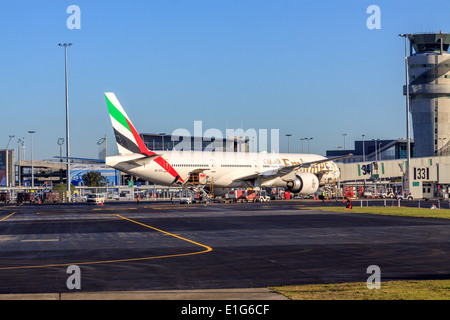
x=327 y=199
x=101 y=203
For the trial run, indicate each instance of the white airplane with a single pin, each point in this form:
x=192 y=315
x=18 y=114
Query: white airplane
x=299 y=173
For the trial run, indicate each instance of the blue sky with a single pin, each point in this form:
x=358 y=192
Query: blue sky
x=309 y=68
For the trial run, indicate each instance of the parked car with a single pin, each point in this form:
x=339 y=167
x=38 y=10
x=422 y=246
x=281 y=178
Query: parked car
x=95 y=198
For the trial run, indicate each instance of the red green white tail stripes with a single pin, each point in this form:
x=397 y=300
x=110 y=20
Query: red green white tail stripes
x=127 y=138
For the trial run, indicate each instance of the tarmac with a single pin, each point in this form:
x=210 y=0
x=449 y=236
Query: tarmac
x=155 y=251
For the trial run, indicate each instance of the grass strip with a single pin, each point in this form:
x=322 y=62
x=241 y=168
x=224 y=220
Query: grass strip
x=392 y=211
x=390 y=290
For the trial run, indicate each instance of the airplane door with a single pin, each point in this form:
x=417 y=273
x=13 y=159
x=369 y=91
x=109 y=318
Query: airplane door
x=212 y=165
x=256 y=166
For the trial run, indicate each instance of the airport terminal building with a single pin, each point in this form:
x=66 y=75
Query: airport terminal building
x=378 y=165
x=430 y=176
x=374 y=150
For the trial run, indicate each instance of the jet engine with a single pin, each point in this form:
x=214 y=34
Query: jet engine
x=304 y=183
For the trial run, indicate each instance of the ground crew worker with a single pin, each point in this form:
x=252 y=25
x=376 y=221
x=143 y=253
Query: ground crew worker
x=349 y=204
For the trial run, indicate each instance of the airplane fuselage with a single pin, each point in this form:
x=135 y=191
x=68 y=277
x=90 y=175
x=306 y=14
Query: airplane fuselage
x=224 y=169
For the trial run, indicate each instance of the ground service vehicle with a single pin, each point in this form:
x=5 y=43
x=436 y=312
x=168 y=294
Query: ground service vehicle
x=388 y=193
x=95 y=198
x=25 y=197
x=250 y=196
x=186 y=199
x=235 y=195
x=5 y=197
x=51 y=197
x=405 y=197
x=263 y=196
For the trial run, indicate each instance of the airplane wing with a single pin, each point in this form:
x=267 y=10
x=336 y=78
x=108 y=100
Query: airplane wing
x=287 y=173
x=141 y=159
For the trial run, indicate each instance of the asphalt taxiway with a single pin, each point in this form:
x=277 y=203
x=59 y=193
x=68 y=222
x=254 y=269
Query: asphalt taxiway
x=156 y=246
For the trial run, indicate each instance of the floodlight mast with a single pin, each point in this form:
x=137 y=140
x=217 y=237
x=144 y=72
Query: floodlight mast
x=407 y=186
x=65 y=45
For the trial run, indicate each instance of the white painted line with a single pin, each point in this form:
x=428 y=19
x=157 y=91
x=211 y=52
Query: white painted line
x=40 y=240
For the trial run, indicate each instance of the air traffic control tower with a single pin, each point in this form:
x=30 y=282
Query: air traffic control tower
x=429 y=89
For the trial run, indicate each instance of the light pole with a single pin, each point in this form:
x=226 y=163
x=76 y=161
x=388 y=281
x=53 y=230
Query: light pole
x=364 y=150
x=7 y=161
x=162 y=134
x=379 y=150
x=288 y=135
x=375 y=141
x=32 y=168
x=302 y=139
x=344 y=134
x=19 y=147
x=65 y=45
x=408 y=142
x=10 y=137
x=308 y=142
x=60 y=143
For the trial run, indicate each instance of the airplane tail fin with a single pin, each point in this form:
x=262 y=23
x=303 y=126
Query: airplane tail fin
x=129 y=141
x=127 y=138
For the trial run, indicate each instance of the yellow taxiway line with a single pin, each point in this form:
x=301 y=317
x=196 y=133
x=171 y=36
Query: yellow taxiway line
x=7 y=217
x=206 y=249
x=171 y=234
